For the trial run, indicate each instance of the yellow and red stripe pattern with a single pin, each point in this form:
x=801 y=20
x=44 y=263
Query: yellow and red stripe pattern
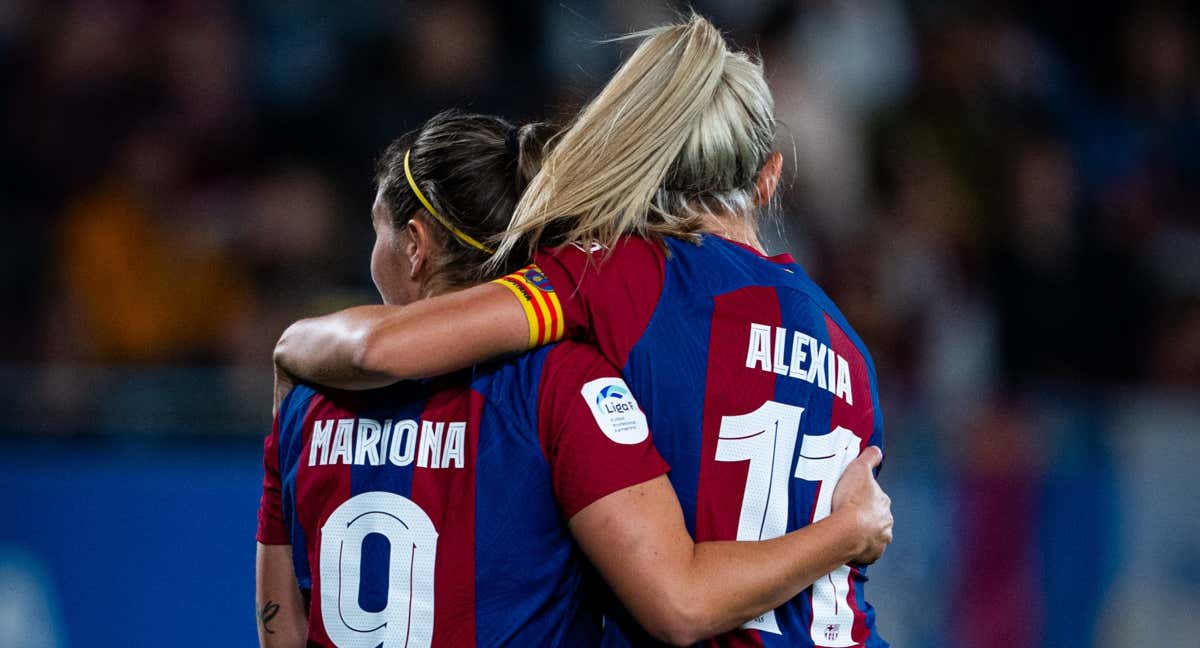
x=542 y=308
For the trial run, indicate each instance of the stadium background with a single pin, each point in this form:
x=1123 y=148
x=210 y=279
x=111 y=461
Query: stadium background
x=1002 y=196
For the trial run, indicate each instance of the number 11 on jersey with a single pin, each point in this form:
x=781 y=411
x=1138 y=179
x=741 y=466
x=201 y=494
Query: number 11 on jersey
x=767 y=439
x=823 y=459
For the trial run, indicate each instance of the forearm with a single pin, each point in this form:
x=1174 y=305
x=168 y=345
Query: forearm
x=366 y=347
x=682 y=592
x=282 y=621
x=729 y=583
x=329 y=350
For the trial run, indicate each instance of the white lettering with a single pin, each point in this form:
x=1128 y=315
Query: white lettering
x=806 y=359
x=383 y=442
x=402 y=450
x=431 y=443
x=371 y=442
x=366 y=442
x=831 y=370
x=799 y=355
x=781 y=365
x=817 y=370
x=453 y=451
x=759 y=352
x=320 y=442
x=843 y=381
x=342 y=440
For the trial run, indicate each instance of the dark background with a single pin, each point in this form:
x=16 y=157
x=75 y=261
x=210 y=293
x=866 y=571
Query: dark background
x=1003 y=197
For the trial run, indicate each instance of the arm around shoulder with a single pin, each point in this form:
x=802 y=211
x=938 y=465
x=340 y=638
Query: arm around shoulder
x=367 y=347
x=682 y=592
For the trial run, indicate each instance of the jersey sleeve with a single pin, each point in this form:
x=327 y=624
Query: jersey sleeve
x=592 y=430
x=876 y=422
x=271 y=528
x=606 y=295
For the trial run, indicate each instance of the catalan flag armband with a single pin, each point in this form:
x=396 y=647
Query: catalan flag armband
x=542 y=308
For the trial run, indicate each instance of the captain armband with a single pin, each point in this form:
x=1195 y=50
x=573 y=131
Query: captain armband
x=542 y=308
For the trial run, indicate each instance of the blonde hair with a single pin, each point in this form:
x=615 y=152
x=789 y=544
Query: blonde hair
x=680 y=131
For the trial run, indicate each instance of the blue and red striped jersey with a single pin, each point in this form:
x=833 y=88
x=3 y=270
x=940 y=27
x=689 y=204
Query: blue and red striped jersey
x=758 y=392
x=433 y=513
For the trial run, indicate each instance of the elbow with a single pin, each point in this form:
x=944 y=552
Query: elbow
x=678 y=636
x=283 y=347
x=681 y=622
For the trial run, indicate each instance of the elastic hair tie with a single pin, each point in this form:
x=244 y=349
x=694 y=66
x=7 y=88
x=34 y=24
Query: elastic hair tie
x=459 y=234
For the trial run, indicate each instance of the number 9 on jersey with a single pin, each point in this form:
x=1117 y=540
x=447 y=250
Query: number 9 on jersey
x=407 y=617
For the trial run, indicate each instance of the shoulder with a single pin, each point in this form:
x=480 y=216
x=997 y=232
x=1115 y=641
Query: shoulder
x=576 y=360
x=577 y=381
x=512 y=386
x=607 y=295
x=304 y=399
x=497 y=374
x=630 y=256
x=551 y=368
x=639 y=250
x=820 y=302
x=574 y=369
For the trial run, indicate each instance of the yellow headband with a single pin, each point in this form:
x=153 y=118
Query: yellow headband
x=461 y=235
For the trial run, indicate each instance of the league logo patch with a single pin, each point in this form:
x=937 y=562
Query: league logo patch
x=612 y=391
x=616 y=411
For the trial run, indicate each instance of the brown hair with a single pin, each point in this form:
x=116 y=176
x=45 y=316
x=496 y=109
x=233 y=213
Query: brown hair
x=472 y=169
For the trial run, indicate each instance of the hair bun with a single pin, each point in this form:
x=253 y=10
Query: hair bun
x=531 y=142
x=512 y=142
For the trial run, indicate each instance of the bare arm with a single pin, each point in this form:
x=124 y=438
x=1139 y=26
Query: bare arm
x=366 y=347
x=282 y=621
x=683 y=592
x=283 y=385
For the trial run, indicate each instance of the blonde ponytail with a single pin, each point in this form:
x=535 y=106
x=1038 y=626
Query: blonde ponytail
x=680 y=130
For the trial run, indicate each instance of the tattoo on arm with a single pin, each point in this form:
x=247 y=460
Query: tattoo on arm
x=268 y=612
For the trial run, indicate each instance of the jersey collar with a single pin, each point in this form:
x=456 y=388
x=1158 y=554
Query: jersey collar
x=784 y=258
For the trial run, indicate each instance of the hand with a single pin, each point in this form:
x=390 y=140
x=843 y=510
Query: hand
x=858 y=495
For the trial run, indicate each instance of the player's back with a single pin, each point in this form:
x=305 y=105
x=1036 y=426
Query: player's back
x=430 y=514
x=752 y=353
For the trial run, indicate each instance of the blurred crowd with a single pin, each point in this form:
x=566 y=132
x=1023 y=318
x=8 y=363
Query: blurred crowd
x=998 y=194
x=1003 y=197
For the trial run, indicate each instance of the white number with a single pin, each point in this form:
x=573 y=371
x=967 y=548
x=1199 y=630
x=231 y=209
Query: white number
x=823 y=459
x=407 y=618
x=766 y=438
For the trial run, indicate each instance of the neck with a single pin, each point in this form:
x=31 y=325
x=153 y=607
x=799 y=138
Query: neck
x=733 y=227
x=433 y=289
x=436 y=286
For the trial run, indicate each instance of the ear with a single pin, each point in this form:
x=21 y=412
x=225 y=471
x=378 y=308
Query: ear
x=768 y=179
x=418 y=246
